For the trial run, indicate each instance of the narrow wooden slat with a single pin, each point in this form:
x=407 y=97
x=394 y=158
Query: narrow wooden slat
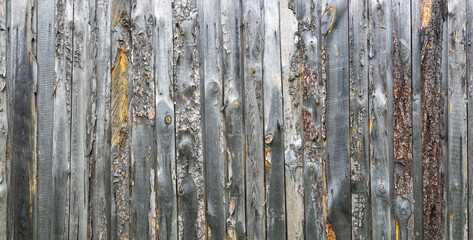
x=120 y=119
x=273 y=124
x=189 y=155
x=21 y=70
x=402 y=119
x=416 y=120
x=233 y=113
x=431 y=17
x=292 y=64
x=457 y=122
x=469 y=82
x=252 y=37
x=380 y=117
x=359 y=122
x=100 y=168
x=336 y=67
x=3 y=122
x=444 y=134
x=166 y=169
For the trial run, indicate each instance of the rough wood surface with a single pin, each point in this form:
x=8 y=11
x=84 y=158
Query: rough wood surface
x=469 y=83
x=4 y=158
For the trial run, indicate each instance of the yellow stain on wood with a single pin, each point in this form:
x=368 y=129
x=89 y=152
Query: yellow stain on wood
x=32 y=186
x=397 y=230
x=451 y=106
x=335 y=49
x=371 y=126
x=332 y=8
x=425 y=12
x=330 y=232
x=119 y=97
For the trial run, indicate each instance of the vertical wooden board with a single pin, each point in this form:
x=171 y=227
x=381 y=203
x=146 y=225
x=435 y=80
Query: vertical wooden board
x=432 y=14
x=213 y=121
x=166 y=169
x=3 y=121
x=457 y=122
x=291 y=67
x=189 y=155
x=313 y=87
x=336 y=68
x=100 y=168
x=45 y=114
x=359 y=122
x=120 y=119
x=469 y=82
x=380 y=117
x=402 y=119
x=143 y=138
x=444 y=134
x=273 y=124
x=416 y=120
x=233 y=116
x=22 y=145
x=252 y=37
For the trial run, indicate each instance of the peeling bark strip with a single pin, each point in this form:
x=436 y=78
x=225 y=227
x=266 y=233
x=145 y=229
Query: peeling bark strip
x=166 y=169
x=190 y=165
x=380 y=117
x=120 y=119
x=359 y=122
x=403 y=188
x=21 y=76
x=273 y=124
x=457 y=122
x=253 y=99
x=233 y=116
x=432 y=15
x=4 y=158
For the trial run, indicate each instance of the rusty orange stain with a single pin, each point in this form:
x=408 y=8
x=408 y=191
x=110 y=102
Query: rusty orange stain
x=425 y=12
x=371 y=126
x=397 y=230
x=330 y=232
x=119 y=97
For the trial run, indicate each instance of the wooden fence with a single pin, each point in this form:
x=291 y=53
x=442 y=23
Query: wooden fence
x=236 y=119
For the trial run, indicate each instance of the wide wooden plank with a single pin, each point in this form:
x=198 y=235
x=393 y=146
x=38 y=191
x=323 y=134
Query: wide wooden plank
x=189 y=156
x=359 y=122
x=381 y=118
x=233 y=114
x=334 y=28
x=21 y=77
x=457 y=206
x=120 y=119
x=252 y=37
x=469 y=82
x=292 y=63
x=4 y=158
x=402 y=120
x=166 y=169
x=101 y=86
x=431 y=21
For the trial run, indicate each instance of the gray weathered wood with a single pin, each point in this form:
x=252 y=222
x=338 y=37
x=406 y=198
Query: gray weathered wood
x=335 y=33
x=380 y=117
x=444 y=134
x=273 y=124
x=359 y=121
x=4 y=158
x=189 y=155
x=166 y=169
x=233 y=113
x=469 y=82
x=457 y=206
x=252 y=37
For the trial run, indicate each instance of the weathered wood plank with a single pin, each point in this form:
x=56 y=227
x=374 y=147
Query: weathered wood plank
x=213 y=121
x=78 y=202
x=120 y=119
x=381 y=118
x=313 y=86
x=252 y=37
x=416 y=120
x=273 y=124
x=469 y=82
x=402 y=119
x=190 y=164
x=233 y=113
x=457 y=122
x=100 y=168
x=4 y=158
x=336 y=67
x=45 y=116
x=166 y=169
x=292 y=63
x=444 y=134
x=432 y=14
x=359 y=122
x=21 y=76
x=143 y=138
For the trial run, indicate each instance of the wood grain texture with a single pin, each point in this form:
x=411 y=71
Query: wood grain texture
x=4 y=158
x=381 y=118
x=469 y=83
x=252 y=45
x=359 y=121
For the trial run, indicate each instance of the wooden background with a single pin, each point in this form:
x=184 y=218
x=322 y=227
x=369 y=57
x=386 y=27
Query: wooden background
x=237 y=119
